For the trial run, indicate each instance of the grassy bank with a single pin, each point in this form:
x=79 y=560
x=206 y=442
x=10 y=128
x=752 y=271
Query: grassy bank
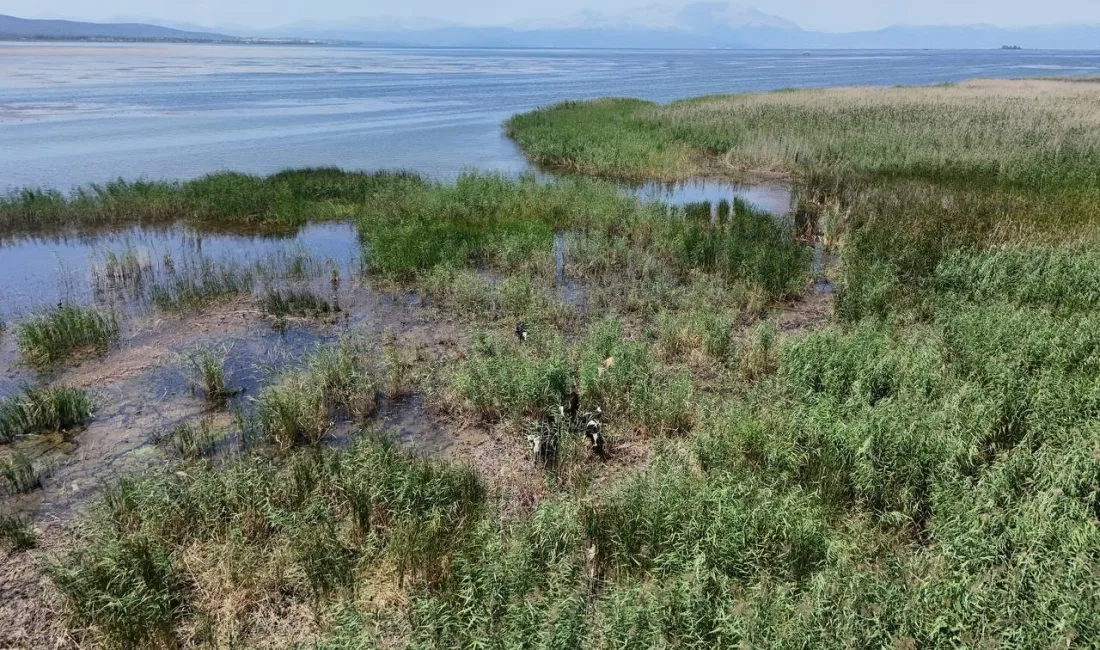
x=1027 y=134
x=920 y=472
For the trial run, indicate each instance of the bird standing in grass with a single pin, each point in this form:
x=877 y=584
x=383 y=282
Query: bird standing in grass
x=592 y=430
x=521 y=331
x=544 y=444
x=572 y=404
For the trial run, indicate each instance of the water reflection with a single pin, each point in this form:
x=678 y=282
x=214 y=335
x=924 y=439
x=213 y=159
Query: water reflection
x=113 y=267
x=773 y=197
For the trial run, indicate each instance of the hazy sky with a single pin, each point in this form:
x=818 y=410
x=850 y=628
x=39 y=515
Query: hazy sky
x=829 y=15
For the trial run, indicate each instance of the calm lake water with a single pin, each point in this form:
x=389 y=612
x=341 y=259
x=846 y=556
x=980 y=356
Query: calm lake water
x=71 y=114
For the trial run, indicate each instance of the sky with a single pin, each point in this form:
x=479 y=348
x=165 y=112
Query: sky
x=820 y=15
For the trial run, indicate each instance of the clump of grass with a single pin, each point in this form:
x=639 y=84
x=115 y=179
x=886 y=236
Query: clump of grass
x=622 y=377
x=42 y=410
x=64 y=331
x=758 y=355
x=126 y=273
x=749 y=245
x=398 y=369
x=207 y=369
x=16 y=533
x=20 y=474
x=704 y=332
x=502 y=378
x=282 y=303
x=304 y=405
x=193 y=441
x=463 y=290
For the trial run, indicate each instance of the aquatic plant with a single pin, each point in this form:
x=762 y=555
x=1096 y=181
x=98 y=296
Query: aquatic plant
x=219 y=200
x=43 y=410
x=20 y=474
x=304 y=404
x=901 y=476
x=1005 y=132
x=501 y=378
x=193 y=441
x=207 y=370
x=199 y=283
x=64 y=331
x=284 y=302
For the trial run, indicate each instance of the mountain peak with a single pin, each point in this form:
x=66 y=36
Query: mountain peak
x=708 y=15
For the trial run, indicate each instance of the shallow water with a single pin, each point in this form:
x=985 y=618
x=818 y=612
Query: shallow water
x=41 y=271
x=75 y=113
x=770 y=196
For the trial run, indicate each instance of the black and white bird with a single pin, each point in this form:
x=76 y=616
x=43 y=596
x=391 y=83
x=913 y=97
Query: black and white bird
x=572 y=404
x=544 y=442
x=521 y=331
x=592 y=430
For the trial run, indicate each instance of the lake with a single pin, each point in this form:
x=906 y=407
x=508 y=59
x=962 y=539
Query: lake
x=76 y=113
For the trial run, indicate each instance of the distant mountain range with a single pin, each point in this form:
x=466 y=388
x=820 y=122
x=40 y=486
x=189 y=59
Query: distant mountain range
x=703 y=25
x=21 y=28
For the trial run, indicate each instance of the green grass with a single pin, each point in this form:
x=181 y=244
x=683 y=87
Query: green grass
x=20 y=474
x=435 y=236
x=207 y=373
x=200 y=282
x=502 y=378
x=315 y=525
x=16 y=534
x=194 y=441
x=1026 y=134
x=66 y=330
x=281 y=303
x=918 y=472
x=286 y=199
x=43 y=410
x=304 y=405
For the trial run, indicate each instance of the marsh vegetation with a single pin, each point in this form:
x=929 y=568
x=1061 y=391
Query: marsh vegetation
x=913 y=465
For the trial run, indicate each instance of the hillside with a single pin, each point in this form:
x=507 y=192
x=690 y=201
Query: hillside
x=22 y=28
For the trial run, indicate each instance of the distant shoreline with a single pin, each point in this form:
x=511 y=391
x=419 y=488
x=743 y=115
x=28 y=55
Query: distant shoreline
x=192 y=41
x=407 y=46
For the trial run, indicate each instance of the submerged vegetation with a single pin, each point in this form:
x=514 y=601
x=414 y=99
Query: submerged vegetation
x=917 y=469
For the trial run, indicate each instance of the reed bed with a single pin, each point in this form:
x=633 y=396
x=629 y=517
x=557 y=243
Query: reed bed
x=207 y=374
x=1024 y=133
x=920 y=472
x=20 y=474
x=303 y=406
x=286 y=199
x=193 y=441
x=509 y=226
